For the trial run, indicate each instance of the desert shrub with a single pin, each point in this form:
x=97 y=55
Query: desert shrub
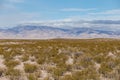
x=11 y=63
x=30 y=68
x=1 y=72
x=86 y=74
x=105 y=69
x=47 y=78
x=7 y=55
x=37 y=74
x=59 y=71
x=32 y=77
x=25 y=58
x=68 y=77
x=99 y=59
x=41 y=60
x=13 y=74
x=85 y=61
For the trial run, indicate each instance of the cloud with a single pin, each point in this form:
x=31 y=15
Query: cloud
x=67 y=23
x=16 y=1
x=13 y=19
x=77 y=9
x=9 y=4
x=30 y=18
x=7 y=7
x=106 y=22
x=108 y=12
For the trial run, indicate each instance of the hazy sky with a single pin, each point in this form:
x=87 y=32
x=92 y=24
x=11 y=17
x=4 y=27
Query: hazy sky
x=14 y=12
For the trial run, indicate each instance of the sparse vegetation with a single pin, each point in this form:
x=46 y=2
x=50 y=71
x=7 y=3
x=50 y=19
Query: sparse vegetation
x=60 y=59
x=13 y=74
x=32 y=77
x=30 y=68
x=11 y=63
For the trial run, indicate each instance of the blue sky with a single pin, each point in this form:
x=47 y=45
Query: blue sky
x=14 y=12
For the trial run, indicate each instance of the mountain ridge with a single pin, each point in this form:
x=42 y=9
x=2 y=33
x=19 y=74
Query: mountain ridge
x=46 y=32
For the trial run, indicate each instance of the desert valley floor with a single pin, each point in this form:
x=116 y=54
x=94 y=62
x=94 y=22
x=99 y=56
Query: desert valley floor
x=60 y=59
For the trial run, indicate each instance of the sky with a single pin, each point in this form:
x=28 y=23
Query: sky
x=58 y=12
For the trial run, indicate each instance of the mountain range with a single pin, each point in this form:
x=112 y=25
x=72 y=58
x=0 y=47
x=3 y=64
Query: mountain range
x=48 y=32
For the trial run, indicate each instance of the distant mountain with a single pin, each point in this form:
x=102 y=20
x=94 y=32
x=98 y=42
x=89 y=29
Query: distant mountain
x=47 y=32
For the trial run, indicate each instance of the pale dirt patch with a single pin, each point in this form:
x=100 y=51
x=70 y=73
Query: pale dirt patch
x=43 y=75
x=18 y=58
x=4 y=78
x=20 y=67
x=31 y=62
x=70 y=61
x=67 y=73
x=97 y=66
x=111 y=55
x=14 y=42
x=2 y=62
